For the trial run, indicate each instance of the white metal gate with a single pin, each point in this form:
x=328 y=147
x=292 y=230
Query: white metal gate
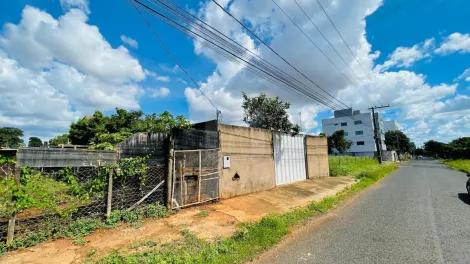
x=289 y=157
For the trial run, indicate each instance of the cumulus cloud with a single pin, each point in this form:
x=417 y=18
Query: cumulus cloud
x=129 y=41
x=53 y=71
x=80 y=4
x=403 y=89
x=162 y=92
x=405 y=57
x=455 y=42
x=465 y=75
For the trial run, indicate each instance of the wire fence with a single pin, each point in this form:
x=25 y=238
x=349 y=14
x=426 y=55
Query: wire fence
x=55 y=198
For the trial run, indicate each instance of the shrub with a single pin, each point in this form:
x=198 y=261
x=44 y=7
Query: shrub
x=156 y=210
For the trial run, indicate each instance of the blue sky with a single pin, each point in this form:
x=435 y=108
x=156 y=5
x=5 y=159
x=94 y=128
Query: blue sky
x=62 y=59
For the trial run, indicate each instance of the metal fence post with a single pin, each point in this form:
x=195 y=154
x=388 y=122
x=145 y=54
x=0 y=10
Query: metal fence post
x=199 y=178
x=169 y=182
x=110 y=193
x=12 y=220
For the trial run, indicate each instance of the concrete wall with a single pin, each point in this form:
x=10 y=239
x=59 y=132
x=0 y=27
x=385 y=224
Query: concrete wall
x=251 y=155
x=317 y=157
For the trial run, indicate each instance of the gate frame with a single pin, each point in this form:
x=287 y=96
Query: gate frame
x=173 y=179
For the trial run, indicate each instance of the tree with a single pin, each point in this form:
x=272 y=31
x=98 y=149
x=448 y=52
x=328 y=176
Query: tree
x=60 y=139
x=460 y=148
x=105 y=132
x=339 y=142
x=419 y=152
x=433 y=148
x=35 y=142
x=268 y=113
x=11 y=137
x=398 y=141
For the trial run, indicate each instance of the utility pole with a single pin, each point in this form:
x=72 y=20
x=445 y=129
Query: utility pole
x=377 y=139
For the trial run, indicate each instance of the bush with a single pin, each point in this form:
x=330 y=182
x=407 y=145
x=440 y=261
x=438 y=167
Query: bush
x=156 y=210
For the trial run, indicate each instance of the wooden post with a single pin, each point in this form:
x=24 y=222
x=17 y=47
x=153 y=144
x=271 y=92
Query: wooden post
x=110 y=193
x=180 y=169
x=12 y=220
x=169 y=177
x=199 y=178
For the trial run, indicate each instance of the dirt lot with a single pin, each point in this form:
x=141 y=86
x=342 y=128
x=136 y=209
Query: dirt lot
x=221 y=221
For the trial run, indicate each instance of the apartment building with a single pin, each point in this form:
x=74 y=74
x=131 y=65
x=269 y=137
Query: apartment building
x=390 y=126
x=358 y=127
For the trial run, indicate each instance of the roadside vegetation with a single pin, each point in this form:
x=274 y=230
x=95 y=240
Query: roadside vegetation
x=461 y=165
x=250 y=239
x=351 y=166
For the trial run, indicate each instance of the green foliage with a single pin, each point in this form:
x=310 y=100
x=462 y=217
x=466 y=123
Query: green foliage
x=461 y=165
x=4 y=160
x=133 y=217
x=419 y=152
x=3 y=248
x=250 y=239
x=80 y=241
x=456 y=149
x=398 y=141
x=59 y=140
x=339 y=142
x=203 y=213
x=80 y=227
x=156 y=210
x=107 y=131
x=11 y=137
x=35 y=142
x=350 y=166
x=268 y=113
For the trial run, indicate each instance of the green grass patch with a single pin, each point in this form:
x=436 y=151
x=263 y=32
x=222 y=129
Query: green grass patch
x=461 y=165
x=250 y=239
x=350 y=166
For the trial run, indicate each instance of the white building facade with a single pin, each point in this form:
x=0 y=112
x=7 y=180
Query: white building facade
x=358 y=127
x=390 y=126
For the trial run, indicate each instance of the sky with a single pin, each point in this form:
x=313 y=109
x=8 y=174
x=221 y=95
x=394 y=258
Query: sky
x=63 y=59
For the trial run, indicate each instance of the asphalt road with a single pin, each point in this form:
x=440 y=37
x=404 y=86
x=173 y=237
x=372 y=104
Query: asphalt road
x=419 y=214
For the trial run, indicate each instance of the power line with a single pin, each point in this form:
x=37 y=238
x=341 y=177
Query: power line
x=349 y=48
x=171 y=55
x=264 y=43
x=329 y=43
x=229 y=50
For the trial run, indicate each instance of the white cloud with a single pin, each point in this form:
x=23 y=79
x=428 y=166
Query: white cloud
x=465 y=75
x=456 y=42
x=81 y=4
x=405 y=57
x=46 y=84
x=405 y=90
x=39 y=39
x=129 y=41
x=160 y=78
x=162 y=92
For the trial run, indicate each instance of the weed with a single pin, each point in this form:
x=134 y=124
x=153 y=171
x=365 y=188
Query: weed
x=80 y=241
x=3 y=248
x=203 y=213
x=250 y=239
x=156 y=210
x=115 y=217
x=148 y=243
x=80 y=227
x=461 y=165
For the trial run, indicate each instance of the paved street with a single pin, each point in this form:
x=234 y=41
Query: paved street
x=419 y=214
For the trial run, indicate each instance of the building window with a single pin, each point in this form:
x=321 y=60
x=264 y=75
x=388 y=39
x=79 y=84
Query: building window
x=360 y=143
x=358 y=122
x=336 y=124
x=344 y=124
x=346 y=133
x=359 y=132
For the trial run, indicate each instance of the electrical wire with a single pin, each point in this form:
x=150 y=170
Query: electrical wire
x=349 y=48
x=171 y=55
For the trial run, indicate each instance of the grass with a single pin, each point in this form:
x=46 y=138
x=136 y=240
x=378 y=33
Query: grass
x=250 y=239
x=350 y=166
x=203 y=213
x=461 y=165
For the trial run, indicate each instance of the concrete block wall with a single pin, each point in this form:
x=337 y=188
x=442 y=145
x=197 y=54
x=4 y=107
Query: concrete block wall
x=317 y=157
x=252 y=160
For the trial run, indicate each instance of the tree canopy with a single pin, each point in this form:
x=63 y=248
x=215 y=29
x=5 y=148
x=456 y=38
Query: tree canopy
x=35 y=142
x=60 y=139
x=104 y=132
x=268 y=113
x=339 y=142
x=456 y=149
x=398 y=141
x=11 y=137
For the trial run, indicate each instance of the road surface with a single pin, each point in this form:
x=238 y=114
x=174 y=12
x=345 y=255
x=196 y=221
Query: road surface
x=419 y=214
